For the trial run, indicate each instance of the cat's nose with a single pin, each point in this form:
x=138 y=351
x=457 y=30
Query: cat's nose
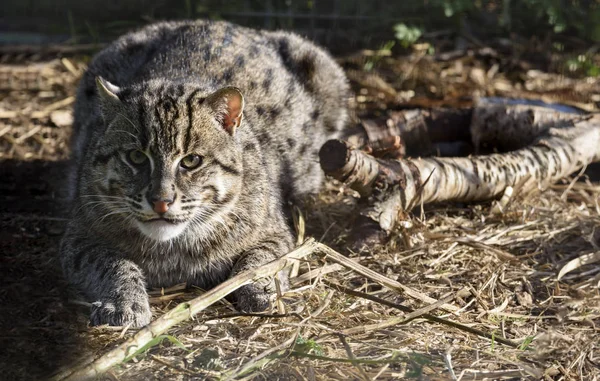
x=161 y=206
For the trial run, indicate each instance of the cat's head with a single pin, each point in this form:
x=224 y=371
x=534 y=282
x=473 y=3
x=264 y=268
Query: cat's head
x=168 y=157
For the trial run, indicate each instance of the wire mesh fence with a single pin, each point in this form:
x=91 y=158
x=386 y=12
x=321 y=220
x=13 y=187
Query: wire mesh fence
x=341 y=25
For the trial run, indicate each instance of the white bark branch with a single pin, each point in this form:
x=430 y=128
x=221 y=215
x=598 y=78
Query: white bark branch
x=393 y=186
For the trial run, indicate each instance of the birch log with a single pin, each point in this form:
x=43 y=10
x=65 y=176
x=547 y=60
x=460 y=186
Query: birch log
x=394 y=186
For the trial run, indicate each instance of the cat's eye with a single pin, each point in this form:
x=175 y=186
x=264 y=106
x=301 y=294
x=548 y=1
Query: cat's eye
x=191 y=162
x=137 y=157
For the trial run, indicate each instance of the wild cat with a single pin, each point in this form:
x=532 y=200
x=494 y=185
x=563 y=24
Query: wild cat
x=189 y=139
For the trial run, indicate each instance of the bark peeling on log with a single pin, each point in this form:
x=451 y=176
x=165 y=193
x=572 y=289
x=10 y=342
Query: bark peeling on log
x=391 y=187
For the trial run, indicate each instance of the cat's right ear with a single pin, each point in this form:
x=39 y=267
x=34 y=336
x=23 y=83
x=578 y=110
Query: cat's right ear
x=109 y=95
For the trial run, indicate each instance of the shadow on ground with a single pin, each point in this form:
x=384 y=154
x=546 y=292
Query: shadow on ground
x=39 y=330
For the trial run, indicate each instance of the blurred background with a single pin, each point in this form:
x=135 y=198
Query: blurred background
x=342 y=25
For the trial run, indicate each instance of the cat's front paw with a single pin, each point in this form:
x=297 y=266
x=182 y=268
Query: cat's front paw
x=253 y=298
x=122 y=312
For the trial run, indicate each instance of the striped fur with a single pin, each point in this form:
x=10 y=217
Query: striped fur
x=160 y=96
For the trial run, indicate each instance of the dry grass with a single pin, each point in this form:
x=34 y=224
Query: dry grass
x=499 y=269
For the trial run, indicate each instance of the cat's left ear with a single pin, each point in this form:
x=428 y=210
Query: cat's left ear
x=228 y=105
x=109 y=96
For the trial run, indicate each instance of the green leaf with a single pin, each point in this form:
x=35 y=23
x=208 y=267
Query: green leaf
x=407 y=35
x=525 y=344
x=157 y=340
x=593 y=71
x=308 y=346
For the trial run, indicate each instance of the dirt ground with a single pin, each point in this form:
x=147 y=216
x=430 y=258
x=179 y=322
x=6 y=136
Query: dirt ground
x=509 y=273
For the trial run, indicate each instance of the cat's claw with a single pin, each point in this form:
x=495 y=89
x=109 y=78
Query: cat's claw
x=135 y=313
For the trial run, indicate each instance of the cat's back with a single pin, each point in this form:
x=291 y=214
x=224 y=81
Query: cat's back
x=196 y=50
x=215 y=53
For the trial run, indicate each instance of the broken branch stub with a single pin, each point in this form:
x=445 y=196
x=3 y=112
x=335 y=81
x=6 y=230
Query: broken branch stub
x=351 y=166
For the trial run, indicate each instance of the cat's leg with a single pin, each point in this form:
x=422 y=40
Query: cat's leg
x=255 y=297
x=113 y=284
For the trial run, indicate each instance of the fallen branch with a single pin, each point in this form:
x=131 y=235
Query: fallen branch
x=182 y=312
x=506 y=127
x=391 y=187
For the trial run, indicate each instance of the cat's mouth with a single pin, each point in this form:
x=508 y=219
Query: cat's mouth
x=173 y=221
x=162 y=228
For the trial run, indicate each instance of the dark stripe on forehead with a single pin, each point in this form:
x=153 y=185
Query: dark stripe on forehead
x=166 y=112
x=173 y=127
x=175 y=90
x=160 y=118
x=160 y=90
x=190 y=110
x=143 y=131
x=180 y=90
x=227 y=168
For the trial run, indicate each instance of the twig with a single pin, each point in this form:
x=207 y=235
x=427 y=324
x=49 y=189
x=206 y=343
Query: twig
x=185 y=311
x=70 y=67
x=501 y=254
x=323 y=305
x=426 y=316
x=254 y=314
x=318 y=272
x=4 y=114
x=358 y=360
x=51 y=49
x=398 y=320
x=54 y=106
x=384 y=281
x=173 y=366
x=265 y=356
x=352 y=357
x=165 y=298
x=471 y=374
